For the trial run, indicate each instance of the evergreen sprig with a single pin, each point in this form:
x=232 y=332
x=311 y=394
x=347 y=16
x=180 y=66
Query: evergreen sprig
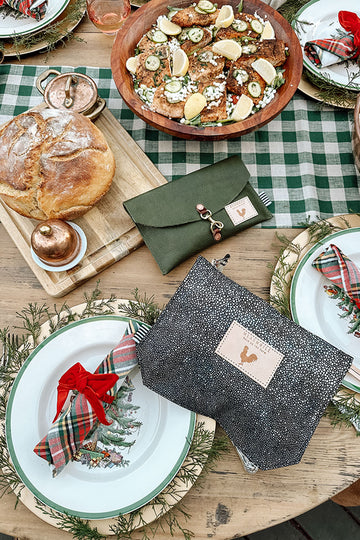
x=142 y=308
x=79 y=528
x=344 y=410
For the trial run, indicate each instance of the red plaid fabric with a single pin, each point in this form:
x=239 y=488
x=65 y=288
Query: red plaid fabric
x=23 y=6
x=70 y=429
x=339 y=269
x=344 y=48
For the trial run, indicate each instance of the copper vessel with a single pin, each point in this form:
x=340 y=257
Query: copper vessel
x=74 y=92
x=55 y=242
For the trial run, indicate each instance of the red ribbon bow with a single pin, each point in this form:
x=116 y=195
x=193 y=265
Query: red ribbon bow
x=351 y=23
x=92 y=385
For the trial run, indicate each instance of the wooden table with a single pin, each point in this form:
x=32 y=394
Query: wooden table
x=230 y=502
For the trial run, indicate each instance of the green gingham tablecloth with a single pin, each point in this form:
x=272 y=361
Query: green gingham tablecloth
x=302 y=159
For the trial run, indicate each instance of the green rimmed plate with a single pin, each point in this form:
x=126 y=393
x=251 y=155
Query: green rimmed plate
x=97 y=493
x=313 y=309
x=318 y=19
x=13 y=24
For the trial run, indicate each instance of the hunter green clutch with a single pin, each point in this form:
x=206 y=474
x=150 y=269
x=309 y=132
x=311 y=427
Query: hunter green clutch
x=173 y=228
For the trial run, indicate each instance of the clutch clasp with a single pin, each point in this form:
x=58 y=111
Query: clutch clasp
x=215 y=226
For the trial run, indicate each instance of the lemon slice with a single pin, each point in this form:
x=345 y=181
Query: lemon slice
x=225 y=17
x=228 y=48
x=131 y=64
x=194 y=105
x=169 y=28
x=264 y=69
x=180 y=63
x=243 y=108
x=268 y=32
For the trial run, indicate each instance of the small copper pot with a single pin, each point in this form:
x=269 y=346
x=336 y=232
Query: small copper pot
x=71 y=92
x=356 y=134
x=55 y=242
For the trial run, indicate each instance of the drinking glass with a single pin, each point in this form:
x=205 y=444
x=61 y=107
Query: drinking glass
x=108 y=15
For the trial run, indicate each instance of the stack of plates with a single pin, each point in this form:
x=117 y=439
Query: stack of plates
x=156 y=445
x=318 y=19
x=14 y=26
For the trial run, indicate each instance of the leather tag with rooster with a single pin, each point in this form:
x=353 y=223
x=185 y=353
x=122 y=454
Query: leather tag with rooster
x=249 y=353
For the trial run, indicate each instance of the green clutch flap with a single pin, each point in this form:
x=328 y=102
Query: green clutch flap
x=172 y=227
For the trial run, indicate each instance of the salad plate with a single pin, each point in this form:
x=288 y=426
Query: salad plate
x=318 y=19
x=12 y=25
x=313 y=309
x=106 y=478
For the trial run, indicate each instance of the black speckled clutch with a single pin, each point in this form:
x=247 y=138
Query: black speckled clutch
x=219 y=350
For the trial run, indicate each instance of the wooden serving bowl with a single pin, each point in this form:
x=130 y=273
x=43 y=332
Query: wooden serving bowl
x=356 y=134
x=141 y=21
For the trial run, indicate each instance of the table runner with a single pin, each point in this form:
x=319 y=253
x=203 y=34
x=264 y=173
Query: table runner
x=302 y=159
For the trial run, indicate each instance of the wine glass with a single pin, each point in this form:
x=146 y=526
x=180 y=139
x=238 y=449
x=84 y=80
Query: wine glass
x=108 y=15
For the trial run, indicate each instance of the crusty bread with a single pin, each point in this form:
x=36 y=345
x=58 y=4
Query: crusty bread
x=53 y=164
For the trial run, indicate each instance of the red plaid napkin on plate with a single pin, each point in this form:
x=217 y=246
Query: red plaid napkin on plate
x=70 y=429
x=23 y=6
x=337 y=267
x=326 y=52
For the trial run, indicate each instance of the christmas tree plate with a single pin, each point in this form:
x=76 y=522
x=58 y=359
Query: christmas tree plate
x=314 y=309
x=120 y=467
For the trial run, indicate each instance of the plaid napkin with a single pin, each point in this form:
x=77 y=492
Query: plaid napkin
x=70 y=429
x=23 y=6
x=326 y=52
x=337 y=267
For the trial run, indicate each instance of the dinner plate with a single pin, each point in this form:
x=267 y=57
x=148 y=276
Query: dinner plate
x=319 y=20
x=12 y=25
x=313 y=309
x=161 y=437
x=65 y=23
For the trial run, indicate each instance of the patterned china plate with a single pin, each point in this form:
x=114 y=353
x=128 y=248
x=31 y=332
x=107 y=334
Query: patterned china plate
x=318 y=19
x=19 y=25
x=95 y=487
x=307 y=289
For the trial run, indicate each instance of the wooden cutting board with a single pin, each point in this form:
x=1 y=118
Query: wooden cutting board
x=110 y=232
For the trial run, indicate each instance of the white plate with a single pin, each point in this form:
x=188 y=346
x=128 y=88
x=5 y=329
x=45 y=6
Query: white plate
x=319 y=20
x=12 y=25
x=313 y=309
x=161 y=443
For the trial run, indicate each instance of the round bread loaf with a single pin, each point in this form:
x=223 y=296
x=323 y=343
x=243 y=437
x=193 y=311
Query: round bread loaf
x=53 y=164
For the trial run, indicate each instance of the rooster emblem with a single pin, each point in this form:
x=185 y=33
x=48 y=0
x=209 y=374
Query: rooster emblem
x=245 y=357
x=241 y=212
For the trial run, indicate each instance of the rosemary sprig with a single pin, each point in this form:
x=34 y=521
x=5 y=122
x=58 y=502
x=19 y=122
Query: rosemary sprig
x=290 y=8
x=329 y=93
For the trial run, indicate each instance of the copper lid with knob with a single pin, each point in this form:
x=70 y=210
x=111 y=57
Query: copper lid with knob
x=74 y=92
x=55 y=242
